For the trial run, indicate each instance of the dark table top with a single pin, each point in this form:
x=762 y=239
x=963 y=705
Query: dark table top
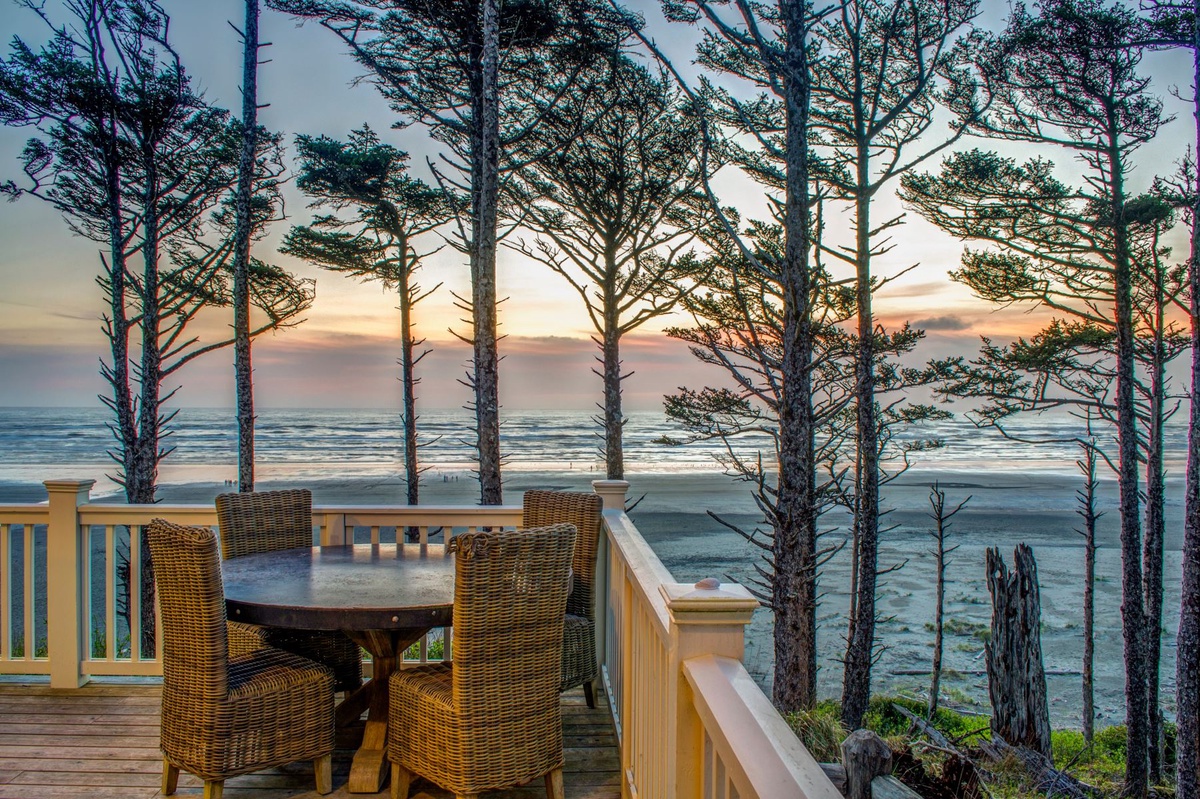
x=357 y=587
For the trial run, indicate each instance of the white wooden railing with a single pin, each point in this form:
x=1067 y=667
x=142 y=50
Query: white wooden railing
x=689 y=719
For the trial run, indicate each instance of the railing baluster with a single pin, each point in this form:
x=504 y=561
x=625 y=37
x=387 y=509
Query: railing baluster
x=135 y=592
x=6 y=594
x=89 y=633
x=110 y=592
x=27 y=588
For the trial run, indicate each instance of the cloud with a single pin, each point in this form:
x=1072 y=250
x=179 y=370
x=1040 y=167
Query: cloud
x=921 y=290
x=946 y=322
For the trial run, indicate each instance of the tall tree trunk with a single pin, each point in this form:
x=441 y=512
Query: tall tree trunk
x=1187 y=666
x=856 y=686
x=243 y=370
x=485 y=188
x=408 y=383
x=1152 y=556
x=1087 y=509
x=614 y=417
x=1133 y=615
x=119 y=326
x=794 y=594
x=142 y=486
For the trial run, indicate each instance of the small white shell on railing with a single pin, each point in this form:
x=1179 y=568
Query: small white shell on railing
x=709 y=584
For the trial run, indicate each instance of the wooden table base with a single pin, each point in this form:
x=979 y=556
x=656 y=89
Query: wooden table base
x=369 y=769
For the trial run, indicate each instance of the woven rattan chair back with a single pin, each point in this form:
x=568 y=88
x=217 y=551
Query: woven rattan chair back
x=264 y=521
x=222 y=714
x=582 y=509
x=191 y=597
x=491 y=719
x=541 y=508
x=509 y=600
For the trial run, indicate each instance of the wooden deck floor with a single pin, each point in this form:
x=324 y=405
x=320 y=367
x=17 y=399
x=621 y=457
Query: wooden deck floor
x=102 y=741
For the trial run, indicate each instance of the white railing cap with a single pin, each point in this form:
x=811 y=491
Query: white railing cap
x=613 y=493
x=68 y=485
x=722 y=603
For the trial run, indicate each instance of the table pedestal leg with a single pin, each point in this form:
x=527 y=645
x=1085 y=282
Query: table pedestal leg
x=369 y=768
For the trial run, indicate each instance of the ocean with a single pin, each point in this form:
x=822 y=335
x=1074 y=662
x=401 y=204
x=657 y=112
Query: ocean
x=298 y=444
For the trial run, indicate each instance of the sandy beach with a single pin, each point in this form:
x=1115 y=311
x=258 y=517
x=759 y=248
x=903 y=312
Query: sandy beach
x=1006 y=508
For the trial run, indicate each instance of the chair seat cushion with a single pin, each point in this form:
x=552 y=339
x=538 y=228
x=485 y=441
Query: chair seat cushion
x=268 y=669
x=433 y=682
x=328 y=647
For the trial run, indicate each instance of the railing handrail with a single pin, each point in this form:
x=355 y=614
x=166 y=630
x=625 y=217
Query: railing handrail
x=40 y=510
x=761 y=754
x=642 y=561
x=108 y=513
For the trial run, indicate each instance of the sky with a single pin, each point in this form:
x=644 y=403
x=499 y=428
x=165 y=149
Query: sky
x=344 y=354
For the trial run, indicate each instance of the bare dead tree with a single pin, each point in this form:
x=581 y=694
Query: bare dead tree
x=941 y=526
x=1016 y=673
x=1087 y=510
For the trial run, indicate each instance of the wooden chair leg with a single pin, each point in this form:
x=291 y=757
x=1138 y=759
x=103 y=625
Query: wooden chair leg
x=323 y=771
x=401 y=777
x=589 y=693
x=554 y=784
x=214 y=789
x=170 y=780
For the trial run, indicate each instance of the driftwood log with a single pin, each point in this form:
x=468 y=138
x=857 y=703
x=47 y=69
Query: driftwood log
x=1047 y=779
x=1016 y=674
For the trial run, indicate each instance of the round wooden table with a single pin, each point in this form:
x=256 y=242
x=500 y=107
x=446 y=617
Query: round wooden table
x=383 y=596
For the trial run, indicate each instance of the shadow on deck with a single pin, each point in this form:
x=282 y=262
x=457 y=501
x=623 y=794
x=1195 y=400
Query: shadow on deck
x=102 y=742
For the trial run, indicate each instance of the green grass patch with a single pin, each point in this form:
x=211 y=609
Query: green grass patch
x=437 y=651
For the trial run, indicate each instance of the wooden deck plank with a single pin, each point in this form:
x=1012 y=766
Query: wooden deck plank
x=102 y=742
x=38 y=726
x=12 y=791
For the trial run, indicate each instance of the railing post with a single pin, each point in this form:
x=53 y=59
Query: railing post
x=613 y=492
x=66 y=644
x=612 y=495
x=707 y=618
x=333 y=531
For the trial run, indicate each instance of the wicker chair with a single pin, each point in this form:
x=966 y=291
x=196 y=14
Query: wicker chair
x=225 y=714
x=581 y=509
x=490 y=720
x=266 y=521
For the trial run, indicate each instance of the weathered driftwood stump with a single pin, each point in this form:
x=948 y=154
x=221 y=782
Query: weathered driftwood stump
x=1016 y=674
x=865 y=756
